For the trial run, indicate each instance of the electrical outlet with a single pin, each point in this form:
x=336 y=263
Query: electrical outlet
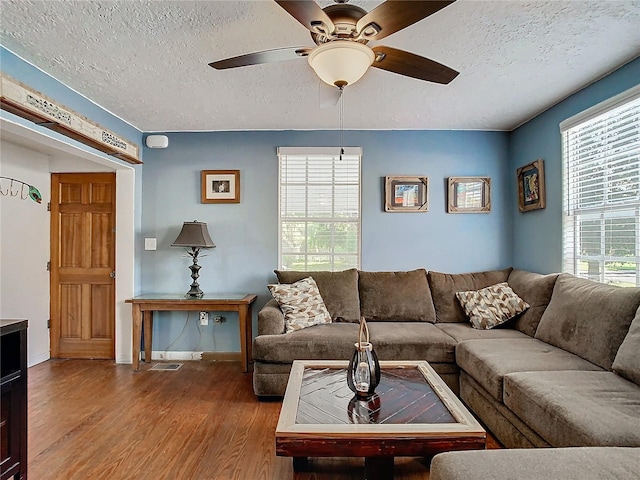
x=204 y=318
x=218 y=319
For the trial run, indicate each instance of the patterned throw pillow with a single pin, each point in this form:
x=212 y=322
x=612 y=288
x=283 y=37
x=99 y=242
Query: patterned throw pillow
x=491 y=306
x=301 y=304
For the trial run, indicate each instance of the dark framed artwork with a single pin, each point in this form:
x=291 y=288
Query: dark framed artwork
x=469 y=195
x=406 y=194
x=220 y=186
x=531 y=192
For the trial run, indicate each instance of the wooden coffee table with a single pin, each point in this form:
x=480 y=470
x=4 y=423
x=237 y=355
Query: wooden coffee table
x=413 y=413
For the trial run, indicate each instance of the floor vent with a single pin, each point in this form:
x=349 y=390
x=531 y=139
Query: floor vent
x=166 y=366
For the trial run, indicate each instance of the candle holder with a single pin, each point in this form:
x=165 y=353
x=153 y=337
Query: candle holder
x=363 y=372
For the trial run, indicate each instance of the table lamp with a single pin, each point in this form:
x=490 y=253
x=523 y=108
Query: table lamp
x=194 y=235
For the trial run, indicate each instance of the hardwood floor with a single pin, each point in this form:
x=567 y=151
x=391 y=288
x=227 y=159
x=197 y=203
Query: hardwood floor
x=95 y=419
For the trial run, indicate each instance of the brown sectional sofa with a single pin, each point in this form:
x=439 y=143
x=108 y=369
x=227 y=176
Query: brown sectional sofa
x=556 y=375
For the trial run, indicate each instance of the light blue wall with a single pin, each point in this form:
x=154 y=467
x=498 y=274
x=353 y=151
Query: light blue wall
x=537 y=235
x=246 y=234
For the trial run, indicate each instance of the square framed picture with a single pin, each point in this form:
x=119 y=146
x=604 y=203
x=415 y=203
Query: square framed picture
x=531 y=193
x=220 y=186
x=406 y=194
x=469 y=195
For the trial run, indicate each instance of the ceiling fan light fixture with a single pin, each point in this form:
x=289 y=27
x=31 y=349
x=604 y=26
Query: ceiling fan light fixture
x=341 y=61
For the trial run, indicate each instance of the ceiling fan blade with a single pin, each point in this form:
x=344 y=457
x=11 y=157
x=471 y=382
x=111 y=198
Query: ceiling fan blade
x=267 y=56
x=412 y=65
x=394 y=15
x=328 y=96
x=309 y=14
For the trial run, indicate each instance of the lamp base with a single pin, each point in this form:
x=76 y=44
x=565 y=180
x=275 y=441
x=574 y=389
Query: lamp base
x=195 y=291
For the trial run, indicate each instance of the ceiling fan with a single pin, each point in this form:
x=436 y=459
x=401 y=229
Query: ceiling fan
x=341 y=33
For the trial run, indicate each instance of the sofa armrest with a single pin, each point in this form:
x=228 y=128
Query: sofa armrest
x=270 y=319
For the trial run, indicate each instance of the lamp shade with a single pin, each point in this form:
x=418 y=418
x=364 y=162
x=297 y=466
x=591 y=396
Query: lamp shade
x=341 y=62
x=194 y=234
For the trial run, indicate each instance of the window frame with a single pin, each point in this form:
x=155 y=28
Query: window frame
x=333 y=152
x=576 y=216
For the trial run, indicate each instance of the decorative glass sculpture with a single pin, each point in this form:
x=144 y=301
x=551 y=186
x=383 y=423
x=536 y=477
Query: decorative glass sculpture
x=363 y=373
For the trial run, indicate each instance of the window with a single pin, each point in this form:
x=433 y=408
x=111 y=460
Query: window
x=601 y=191
x=319 y=195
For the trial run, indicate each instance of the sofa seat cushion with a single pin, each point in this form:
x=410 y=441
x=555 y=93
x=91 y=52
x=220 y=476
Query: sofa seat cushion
x=587 y=463
x=321 y=342
x=627 y=361
x=445 y=285
x=464 y=331
x=536 y=290
x=576 y=408
x=339 y=290
x=396 y=296
x=587 y=318
x=488 y=361
x=411 y=341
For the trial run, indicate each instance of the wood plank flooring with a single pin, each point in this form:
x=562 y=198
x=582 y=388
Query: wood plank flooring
x=95 y=419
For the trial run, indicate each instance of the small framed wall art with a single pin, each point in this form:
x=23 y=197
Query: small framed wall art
x=220 y=186
x=406 y=194
x=469 y=195
x=531 y=194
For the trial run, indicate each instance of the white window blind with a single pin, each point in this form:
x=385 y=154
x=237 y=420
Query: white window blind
x=319 y=197
x=601 y=192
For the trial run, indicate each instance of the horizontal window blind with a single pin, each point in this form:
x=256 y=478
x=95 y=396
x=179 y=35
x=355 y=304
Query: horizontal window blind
x=601 y=194
x=319 y=208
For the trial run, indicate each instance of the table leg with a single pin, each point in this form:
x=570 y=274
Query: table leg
x=136 y=317
x=378 y=468
x=249 y=334
x=147 y=318
x=300 y=464
x=245 y=326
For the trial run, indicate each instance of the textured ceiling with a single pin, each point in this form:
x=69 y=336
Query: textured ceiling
x=146 y=61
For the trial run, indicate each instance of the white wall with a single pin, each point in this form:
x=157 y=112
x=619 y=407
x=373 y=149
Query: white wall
x=24 y=246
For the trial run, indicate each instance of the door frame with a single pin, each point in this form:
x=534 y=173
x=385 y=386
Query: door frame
x=66 y=156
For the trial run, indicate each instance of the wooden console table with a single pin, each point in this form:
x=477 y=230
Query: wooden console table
x=144 y=306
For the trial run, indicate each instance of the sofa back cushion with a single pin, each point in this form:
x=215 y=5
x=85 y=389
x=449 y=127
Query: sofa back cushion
x=445 y=285
x=339 y=290
x=396 y=296
x=587 y=318
x=536 y=290
x=627 y=361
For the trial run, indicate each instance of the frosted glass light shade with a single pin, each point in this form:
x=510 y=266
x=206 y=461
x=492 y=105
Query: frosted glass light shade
x=341 y=61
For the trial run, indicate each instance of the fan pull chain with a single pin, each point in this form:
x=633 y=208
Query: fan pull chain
x=341 y=122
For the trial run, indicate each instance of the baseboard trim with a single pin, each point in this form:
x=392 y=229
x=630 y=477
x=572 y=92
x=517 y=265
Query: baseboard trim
x=36 y=359
x=221 y=356
x=188 y=356
x=175 y=355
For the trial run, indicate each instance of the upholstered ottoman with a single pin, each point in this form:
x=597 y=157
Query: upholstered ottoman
x=579 y=463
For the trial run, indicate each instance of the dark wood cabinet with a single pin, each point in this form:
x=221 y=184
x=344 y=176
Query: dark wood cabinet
x=13 y=411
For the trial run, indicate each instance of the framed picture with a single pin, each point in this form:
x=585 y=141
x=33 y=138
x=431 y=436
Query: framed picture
x=220 y=186
x=406 y=194
x=531 y=194
x=469 y=195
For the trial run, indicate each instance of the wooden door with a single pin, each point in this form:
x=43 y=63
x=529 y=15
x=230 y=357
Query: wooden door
x=83 y=265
